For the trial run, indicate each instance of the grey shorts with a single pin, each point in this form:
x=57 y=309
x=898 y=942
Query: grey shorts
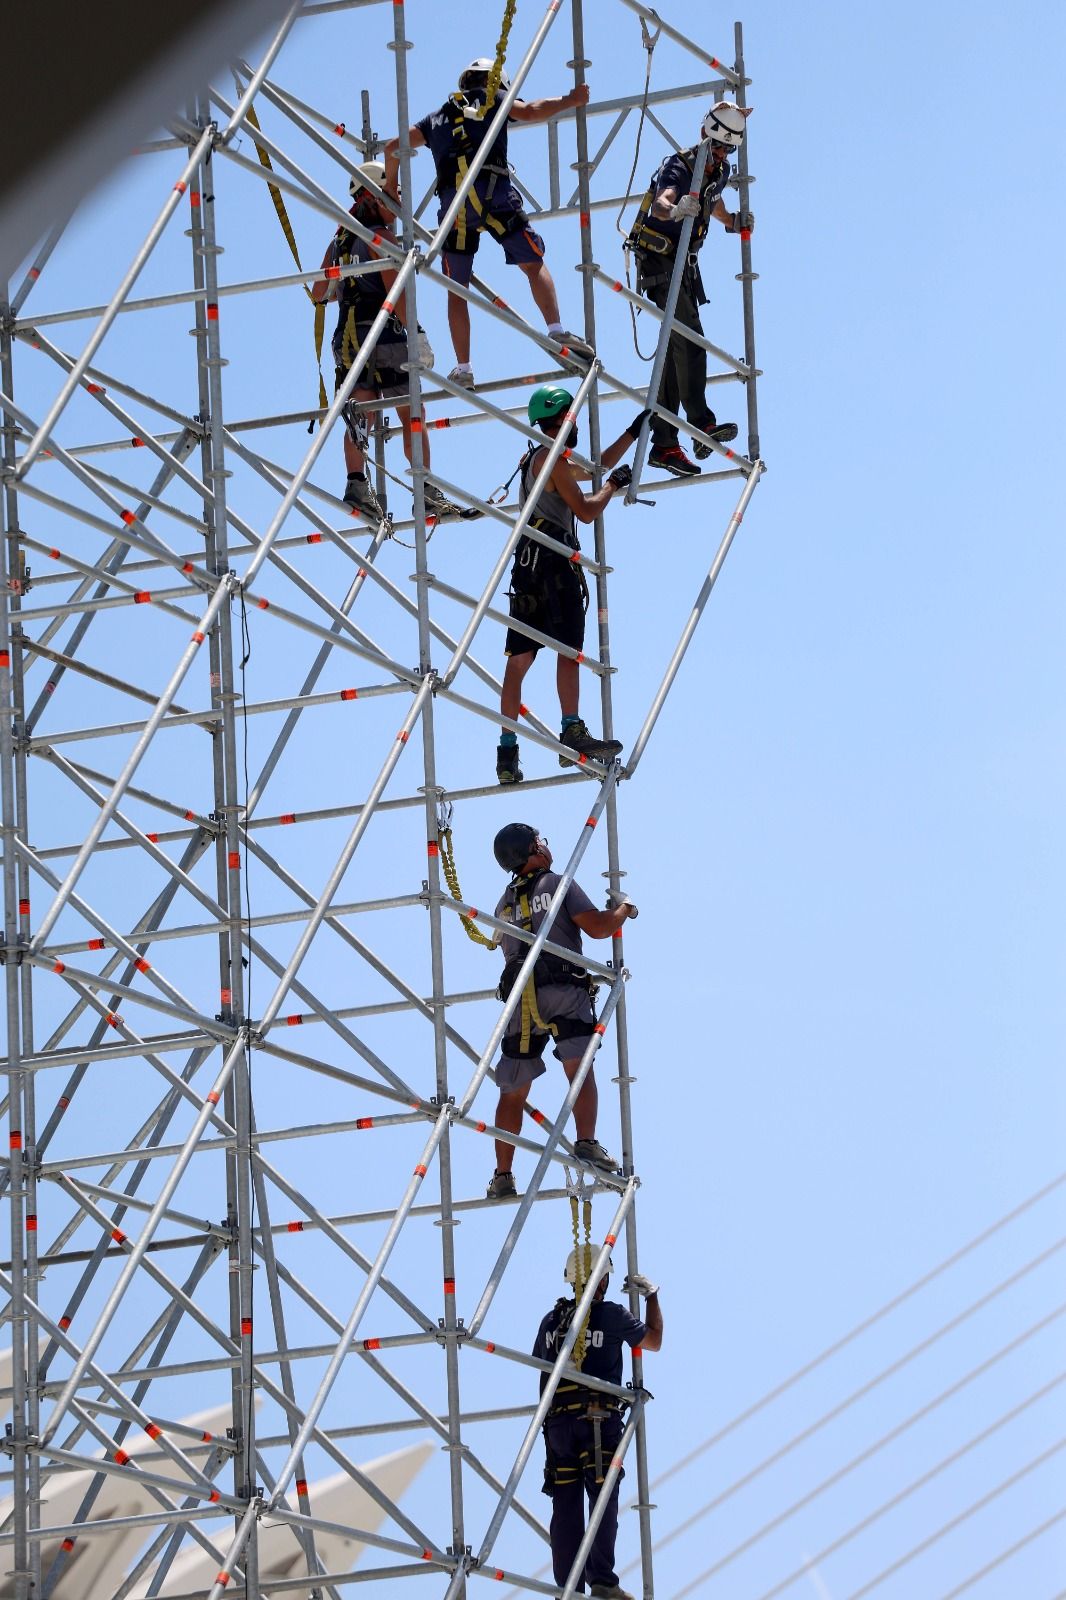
x=560 y=1003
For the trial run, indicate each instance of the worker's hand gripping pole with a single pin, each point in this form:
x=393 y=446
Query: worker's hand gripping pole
x=680 y=263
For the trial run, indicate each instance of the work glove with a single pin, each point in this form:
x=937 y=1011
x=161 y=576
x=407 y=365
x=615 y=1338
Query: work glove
x=621 y=477
x=687 y=206
x=638 y=422
x=615 y=897
x=741 y=222
x=643 y=1285
x=425 y=349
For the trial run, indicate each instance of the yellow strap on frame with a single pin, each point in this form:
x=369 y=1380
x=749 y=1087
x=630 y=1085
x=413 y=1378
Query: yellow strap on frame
x=451 y=878
x=493 y=84
x=286 y=228
x=583 y=1260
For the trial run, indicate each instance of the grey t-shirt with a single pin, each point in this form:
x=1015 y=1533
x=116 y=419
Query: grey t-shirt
x=564 y=930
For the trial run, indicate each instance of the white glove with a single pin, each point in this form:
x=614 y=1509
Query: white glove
x=643 y=1285
x=615 y=897
x=425 y=349
x=687 y=206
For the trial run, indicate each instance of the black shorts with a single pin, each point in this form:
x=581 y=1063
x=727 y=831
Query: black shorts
x=549 y=593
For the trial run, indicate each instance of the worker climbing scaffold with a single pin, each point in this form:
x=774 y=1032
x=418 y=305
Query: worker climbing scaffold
x=557 y=1002
x=654 y=239
x=453 y=134
x=359 y=299
x=584 y=1426
x=548 y=590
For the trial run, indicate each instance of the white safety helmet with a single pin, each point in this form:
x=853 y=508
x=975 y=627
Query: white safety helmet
x=724 y=123
x=590 y=1252
x=481 y=66
x=374 y=171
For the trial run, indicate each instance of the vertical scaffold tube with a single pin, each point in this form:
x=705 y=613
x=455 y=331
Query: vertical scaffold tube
x=449 y=1321
x=746 y=275
x=614 y=870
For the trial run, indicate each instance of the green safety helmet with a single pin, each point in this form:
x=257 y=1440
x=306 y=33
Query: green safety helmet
x=513 y=845
x=549 y=402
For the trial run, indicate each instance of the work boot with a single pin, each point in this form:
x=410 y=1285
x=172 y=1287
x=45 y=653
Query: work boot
x=592 y=1152
x=439 y=506
x=507 y=768
x=360 y=496
x=724 y=432
x=464 y=380
x=572 y=344
x=610 y=1591
x=578 y=738
x=673 y=459
x=502 y=1187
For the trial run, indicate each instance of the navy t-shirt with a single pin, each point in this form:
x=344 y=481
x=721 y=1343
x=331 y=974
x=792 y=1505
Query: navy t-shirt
x=611 y=1325
x=436 y=130
x=676 y=173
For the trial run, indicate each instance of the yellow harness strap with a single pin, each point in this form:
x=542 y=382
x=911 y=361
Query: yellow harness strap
x=474 y=201
x=451 y=878
x=286 y=228
x=493 y=83
x=583 y=1259
x=531 y=1017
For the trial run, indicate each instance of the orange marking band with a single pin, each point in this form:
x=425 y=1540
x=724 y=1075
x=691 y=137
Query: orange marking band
x=612 y=1238
x=590 y=822
x=349 y=694
x=31 y=1222
x=364 y=1122
x=153 y=1430
x=332 y=272
x=153 y=838
x=144 y=966
x=214 y=1496
x=296 y=1227
x=479 y=1127
x=212 y=311
x=490 y=1349
x=264 y=605
x=287 y=817
x=301 y=1486
x=371 y=1344
x=121 y=1457
x=601 y=1027
x=118 y=1235
x=416 y=425
x=420 y=1171
x=246 y=1326
x=24 y=908
x=213 y=1097
x=295 y=1020
x=143 y=597
x=314 y=538
x=198 y=637
x=449 y=1286
x=181 y=186
x=68 y=1544
x=128 y=517
x=95 y=944
x=234 y=860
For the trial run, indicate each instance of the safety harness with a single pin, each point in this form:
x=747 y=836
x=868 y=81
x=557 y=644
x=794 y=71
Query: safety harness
x=360 y=299
x=547 y=968
x=655 y=249
x=526 y=571
x=573 y=1398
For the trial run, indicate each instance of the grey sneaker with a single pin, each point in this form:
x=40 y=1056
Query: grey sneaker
x=464 y=379
x=439 y=506
x=502 y=1187
x=610 y=1591
x=592 y=1152
x=578 y=739
x=724 y=432
x=572 y=344
x=360 y=496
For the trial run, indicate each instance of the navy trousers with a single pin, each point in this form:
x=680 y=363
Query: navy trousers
x=571 y=1450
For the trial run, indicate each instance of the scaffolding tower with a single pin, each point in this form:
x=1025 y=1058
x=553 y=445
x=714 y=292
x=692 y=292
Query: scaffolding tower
x=177 y=1174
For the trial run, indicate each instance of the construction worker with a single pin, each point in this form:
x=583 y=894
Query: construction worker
x=453 y=134
x=654 y=239
x=583 y=1427
x=359 y=300
x=557 y=1001
x=548 y=591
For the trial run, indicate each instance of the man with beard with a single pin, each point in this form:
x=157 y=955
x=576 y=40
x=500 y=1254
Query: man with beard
x=548 y=589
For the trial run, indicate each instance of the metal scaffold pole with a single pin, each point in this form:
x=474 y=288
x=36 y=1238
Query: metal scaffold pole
x=282 y=1085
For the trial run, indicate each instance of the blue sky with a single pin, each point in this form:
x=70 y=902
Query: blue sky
x=846 y=1004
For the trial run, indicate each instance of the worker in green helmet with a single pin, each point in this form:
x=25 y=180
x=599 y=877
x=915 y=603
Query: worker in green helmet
x=548 y=590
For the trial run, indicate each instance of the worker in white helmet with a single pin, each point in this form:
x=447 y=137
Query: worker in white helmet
x=653 y=239
x=453 y=134
x=583 y=1427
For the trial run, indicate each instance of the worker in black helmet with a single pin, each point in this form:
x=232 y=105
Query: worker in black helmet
x=548 y=591
x=359 y=300
x=584 y=1426
x=454 y=134
x=556 y=1003
x=653 y=239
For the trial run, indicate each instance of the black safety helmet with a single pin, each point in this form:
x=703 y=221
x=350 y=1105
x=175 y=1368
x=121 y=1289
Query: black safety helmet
x=513 y=845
